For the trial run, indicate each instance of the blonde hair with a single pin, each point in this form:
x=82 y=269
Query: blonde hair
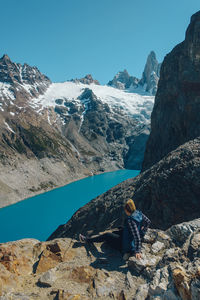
x=130 y=206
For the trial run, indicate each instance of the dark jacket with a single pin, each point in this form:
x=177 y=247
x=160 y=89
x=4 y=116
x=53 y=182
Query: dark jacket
x=135 y=227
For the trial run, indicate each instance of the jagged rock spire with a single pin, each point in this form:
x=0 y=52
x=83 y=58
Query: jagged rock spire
x=151 y=74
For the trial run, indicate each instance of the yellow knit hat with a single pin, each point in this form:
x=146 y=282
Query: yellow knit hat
x=130 y=206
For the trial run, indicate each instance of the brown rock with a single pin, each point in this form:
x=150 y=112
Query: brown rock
x=18 y=257
x=82 y=274
x=181 y=283
x=47 y=261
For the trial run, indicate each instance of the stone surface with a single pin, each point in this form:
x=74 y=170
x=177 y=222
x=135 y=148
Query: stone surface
x=181 y=283
x=65 y=269
x=157 y=247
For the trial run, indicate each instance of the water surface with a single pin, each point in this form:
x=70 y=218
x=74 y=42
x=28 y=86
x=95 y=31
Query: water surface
x=39 y=216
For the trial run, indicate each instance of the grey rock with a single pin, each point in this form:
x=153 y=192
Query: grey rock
x=48 y=278
x=146 y=262
x=159 y=283
x=194 y=245
x=180 y=232
x=195 y=289
x=171 y=295
x=157 y=247
x=142 y=292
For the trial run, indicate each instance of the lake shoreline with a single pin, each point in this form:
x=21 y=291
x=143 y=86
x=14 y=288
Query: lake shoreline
x=35 y=194
x=37 y=217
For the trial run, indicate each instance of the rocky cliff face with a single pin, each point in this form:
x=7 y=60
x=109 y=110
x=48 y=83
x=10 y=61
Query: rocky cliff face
x=149 y=81
x=175 y=116
x=64 y=269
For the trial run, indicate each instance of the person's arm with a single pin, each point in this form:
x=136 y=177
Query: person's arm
x=135 y=235
x=145 y=224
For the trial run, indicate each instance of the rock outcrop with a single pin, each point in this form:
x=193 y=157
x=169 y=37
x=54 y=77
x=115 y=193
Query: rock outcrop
x=64 y=269
x=175 y=117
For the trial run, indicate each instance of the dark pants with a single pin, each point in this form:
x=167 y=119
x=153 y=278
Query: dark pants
x=113 y=239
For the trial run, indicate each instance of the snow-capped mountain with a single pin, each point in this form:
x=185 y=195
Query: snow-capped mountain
x=20 y=81
x=148 y=83
x=68 y=96
x=53 y=133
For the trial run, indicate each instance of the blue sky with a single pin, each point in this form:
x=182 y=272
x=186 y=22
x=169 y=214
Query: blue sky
x=70 y=38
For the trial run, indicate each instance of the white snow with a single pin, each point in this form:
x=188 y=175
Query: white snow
x=5 y=91
x=135 y=103
x=9 y=128
x=12 y=113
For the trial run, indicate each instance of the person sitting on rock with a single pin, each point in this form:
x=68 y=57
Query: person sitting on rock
x=128 y=239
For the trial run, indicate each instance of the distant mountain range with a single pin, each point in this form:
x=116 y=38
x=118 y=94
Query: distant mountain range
x=54 y=133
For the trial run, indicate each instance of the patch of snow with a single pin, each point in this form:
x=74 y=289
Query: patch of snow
x=9 y=128
x=5 y=91
x=48 y=119
x=136 y=103
x=12 y=113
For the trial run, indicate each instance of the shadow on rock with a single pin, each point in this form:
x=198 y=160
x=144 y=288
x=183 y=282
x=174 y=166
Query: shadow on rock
x=107 y=258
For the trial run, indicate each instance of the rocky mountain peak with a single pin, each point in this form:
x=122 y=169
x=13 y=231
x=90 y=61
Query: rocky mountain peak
x=123 y=80
x=175 y=117
x=88 y=94
x=151 y=74
x=20 y=81
x=193 y=39
x=88 y=79
x=149 y=81
x=5 y=57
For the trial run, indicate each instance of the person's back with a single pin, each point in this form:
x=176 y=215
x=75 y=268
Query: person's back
x=136 y=225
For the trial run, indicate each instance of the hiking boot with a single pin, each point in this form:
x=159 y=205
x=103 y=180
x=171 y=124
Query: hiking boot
x=126 y=256
x=82 y=238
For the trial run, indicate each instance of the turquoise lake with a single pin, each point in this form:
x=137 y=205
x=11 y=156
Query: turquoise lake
x=39 y=216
